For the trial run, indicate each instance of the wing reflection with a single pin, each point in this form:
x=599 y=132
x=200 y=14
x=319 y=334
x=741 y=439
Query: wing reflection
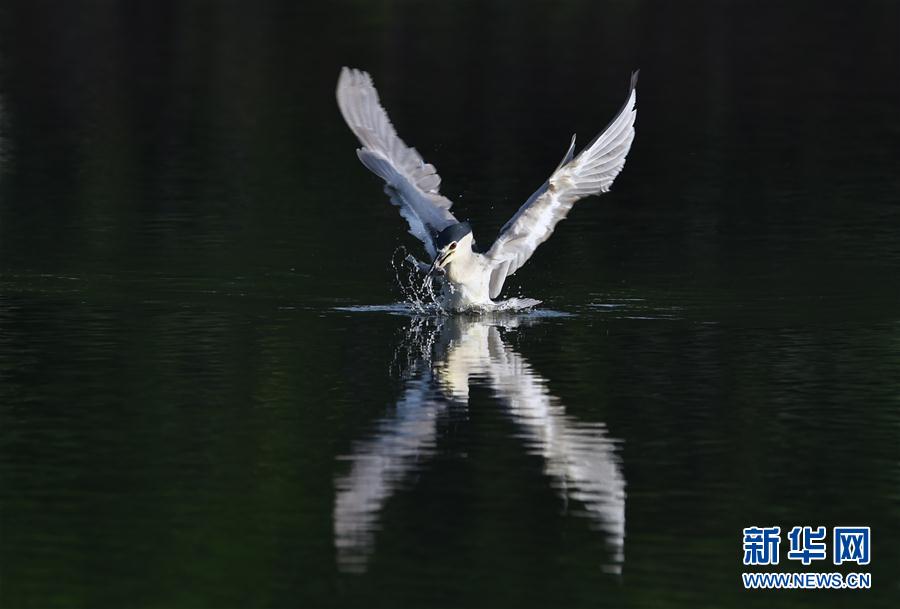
x=449 y=354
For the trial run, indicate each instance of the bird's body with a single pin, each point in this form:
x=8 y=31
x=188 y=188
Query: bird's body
x=472 y=279
x=467 y=284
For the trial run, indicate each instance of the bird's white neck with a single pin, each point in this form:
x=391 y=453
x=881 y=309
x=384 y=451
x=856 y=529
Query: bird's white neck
x=467 y=281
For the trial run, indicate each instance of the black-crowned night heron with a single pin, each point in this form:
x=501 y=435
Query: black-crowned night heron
x=471 y=278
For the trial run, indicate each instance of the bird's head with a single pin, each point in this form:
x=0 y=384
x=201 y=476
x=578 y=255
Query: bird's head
x=452 y=243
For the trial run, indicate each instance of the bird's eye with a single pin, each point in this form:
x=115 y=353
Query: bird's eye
x=453 y=245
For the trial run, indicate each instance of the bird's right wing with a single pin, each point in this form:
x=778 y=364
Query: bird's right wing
x=591 y=172
x=411 y=183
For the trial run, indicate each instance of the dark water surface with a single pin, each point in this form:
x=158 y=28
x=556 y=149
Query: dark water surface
x=209 y=398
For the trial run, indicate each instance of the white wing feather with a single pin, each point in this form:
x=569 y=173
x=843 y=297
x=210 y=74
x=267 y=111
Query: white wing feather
x=591 y=172
x=411 y=183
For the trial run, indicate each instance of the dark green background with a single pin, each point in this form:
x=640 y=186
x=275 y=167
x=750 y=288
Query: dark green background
x=181 y=212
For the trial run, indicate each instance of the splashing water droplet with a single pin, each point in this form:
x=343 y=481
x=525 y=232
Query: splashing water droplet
x=418 y=290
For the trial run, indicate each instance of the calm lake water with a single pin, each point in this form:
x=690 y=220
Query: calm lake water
x=212 y=396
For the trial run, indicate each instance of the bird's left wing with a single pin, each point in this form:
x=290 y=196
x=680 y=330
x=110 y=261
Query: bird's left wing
x=591 y=172
x=411 y=183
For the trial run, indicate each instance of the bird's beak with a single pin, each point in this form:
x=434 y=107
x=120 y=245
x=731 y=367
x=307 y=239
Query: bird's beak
x=440 y=261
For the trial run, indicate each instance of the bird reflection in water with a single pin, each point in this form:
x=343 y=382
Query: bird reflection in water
x=440 y=357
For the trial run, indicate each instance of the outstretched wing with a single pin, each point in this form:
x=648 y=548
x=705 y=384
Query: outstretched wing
x=591 y=172
x=411 y=183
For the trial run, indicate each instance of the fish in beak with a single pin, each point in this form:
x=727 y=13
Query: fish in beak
x=443 y=258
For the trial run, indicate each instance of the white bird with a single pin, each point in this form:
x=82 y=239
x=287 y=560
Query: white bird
x=473 y=278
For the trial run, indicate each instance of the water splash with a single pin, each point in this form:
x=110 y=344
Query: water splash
x=415 y=346
x=416 y=288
